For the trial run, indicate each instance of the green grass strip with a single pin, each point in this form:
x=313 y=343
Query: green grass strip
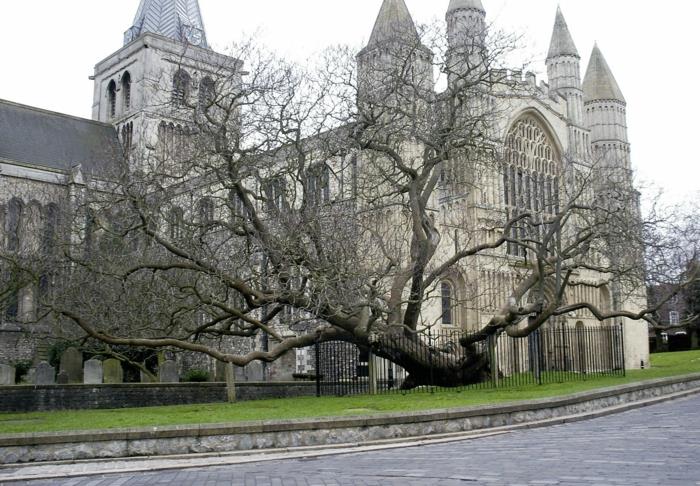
x=663 y=365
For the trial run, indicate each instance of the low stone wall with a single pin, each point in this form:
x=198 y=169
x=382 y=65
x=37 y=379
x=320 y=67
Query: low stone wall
x=156 y=441
x=30 y=398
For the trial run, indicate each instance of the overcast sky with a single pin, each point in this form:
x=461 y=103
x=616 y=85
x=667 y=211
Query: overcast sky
x=49 y=48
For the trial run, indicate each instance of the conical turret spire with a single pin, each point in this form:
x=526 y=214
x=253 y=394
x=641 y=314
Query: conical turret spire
x=180 y=20
x=465 y=4
x=394 y=21
x=562 y=43
x=599 y=83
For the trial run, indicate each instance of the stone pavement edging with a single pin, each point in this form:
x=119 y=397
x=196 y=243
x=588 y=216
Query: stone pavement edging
x=334 y=432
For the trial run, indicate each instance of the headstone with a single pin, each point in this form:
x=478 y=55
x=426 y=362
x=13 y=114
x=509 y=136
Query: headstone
x=45 y=374
x=62 y=378
x=146 y=378
x=30 y=377
x=220 y=371
x=72 y=365
x=167 y=372
x=92 y=373
x=7 y=375
x=112 y=371
x=254 y=371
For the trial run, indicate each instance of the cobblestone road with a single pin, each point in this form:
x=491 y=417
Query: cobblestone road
x=658 y=445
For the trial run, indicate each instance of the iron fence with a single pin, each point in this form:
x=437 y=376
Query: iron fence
x=556 y=354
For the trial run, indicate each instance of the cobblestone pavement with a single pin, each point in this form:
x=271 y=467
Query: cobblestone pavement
x=658 y=445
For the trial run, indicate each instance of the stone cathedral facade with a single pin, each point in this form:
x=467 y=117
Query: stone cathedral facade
x=46 y=158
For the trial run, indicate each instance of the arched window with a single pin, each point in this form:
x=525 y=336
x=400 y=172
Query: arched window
x=318 y=185
x=126 y=90
x=238 y=209
x=13 y=220
x=207 y=93
x=530 y=178
x=447 y=303
x=205 y=211
x=176 y=220
x=90 y=232
x=181 y=87
x=12 y=306
x=50 y=235
x=112 y=99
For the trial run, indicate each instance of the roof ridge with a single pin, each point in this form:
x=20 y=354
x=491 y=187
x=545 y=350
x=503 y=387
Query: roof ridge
x=54 y=113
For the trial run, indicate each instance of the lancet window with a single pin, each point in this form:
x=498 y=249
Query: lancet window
x=181 y=87
x=126 y=90
x=112 y=98
x=447 y=298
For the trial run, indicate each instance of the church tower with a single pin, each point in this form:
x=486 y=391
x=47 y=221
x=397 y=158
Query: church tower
x=153 y=84
x=564 y=73
x=394 y=49
x=466 y=38
x=606 y=114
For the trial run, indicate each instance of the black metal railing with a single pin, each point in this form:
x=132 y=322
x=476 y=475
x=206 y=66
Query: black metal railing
x=437 y=360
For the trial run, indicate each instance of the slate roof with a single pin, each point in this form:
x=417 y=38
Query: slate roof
x=466 y=4
x=169 y=18
x=599 y=83
x=55 y=141
x=562 y=43
x=394 y=20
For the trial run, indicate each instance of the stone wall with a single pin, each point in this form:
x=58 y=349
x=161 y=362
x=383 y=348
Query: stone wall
x=27 y=398
x=155 y=441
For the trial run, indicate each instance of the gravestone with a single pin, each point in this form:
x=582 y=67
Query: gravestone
x=72 y=365
x=92 y=374
x=254 y=371
x=112 y=371
x=30 y=377
x=220 y=371
x=167 y=372
x=7 y=375
x=62 y=378
x=45 y=374
x=146 y=378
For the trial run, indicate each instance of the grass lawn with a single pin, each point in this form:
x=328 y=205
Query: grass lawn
x=663 y=365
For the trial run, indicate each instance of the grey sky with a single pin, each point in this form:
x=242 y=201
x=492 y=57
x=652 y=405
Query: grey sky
x=49 y=48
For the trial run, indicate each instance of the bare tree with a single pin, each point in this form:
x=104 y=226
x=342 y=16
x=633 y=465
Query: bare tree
x=324 y=203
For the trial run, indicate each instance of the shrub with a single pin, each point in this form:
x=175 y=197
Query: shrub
x=21 y=369
x=196 y=376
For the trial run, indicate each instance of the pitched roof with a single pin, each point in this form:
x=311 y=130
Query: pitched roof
x=562 y=43
x=599 y=83
x=465 y=4
x=55 y=141
x=394 y=21
x=180 y=20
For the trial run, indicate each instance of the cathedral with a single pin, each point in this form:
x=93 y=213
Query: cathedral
x=47 y=158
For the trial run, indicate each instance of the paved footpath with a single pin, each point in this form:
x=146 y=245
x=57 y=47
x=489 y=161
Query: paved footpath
x=657 y=445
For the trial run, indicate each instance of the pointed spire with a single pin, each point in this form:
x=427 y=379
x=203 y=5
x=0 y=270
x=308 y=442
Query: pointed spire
x=562 y=43
x=180 y=20
x=466 y=5
x=394 y=20
x=599 y=83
